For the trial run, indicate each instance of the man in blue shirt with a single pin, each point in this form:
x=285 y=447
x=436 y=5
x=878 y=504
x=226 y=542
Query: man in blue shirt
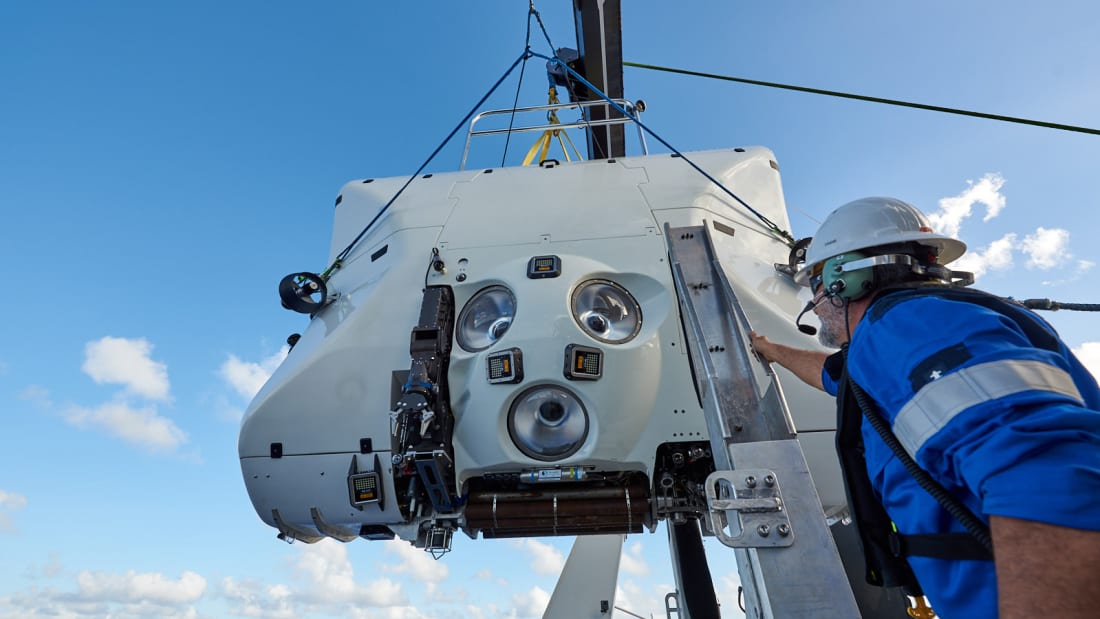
x=980 y=394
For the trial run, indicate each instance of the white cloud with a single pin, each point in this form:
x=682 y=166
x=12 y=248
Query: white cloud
x=140 y=426
x=326 y=565
x=725 y=587
x=948 y=220
x=50 y=604
x=531 y=603
x=332 y=580
x=9 y=501
x=247 y=377
x=1083 y=266
x=50 y=569
x=545 y=559
x=1089 y=354
x=121 y=596
x=12 y=500
x=416 y=563
x=392 y=612
x=648 y=600
x=1046 y=249
x=324 y=584
x=994 y=257
x=53 y=566
x=253 y=599
x=222 y=408
x=632 y=562
x=37 y=395
x=126 y=362
x=135 y=587
x=480 y=612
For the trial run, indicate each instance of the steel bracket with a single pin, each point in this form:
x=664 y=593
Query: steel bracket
x=745 y=509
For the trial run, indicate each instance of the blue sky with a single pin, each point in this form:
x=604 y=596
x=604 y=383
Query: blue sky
x=163 y=165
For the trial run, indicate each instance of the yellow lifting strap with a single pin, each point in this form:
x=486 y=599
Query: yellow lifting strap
x=542 y=145
x=921 y=609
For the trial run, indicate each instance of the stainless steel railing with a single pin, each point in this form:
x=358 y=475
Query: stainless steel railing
x=630 y=107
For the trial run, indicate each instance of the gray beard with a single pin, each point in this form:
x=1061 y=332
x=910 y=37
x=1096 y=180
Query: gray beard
x=829 y=338
x=834 y=330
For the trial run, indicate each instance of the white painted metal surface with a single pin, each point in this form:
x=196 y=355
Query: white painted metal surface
x=604 y=219
x=586 y=589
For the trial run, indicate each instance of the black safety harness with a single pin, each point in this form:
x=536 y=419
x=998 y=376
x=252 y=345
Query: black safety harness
x=885 y=549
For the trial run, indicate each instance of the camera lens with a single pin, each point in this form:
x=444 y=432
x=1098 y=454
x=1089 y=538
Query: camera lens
x=499 y=328
x=597 y=322
x=551 y=413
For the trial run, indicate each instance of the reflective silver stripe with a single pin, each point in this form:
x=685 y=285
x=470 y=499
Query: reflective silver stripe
x=937 y=403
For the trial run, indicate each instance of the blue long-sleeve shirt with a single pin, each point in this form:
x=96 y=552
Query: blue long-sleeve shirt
x=1010 y=429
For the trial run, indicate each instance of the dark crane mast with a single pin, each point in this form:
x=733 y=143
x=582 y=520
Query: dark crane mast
x=600 y=44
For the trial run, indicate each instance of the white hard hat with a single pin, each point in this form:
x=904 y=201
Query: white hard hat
x=872 y=222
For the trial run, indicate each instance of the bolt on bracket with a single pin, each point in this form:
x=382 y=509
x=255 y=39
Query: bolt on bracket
x=745 y=509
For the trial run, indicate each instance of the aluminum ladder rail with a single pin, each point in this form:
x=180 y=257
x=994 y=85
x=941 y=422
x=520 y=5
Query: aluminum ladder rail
x=761 y=498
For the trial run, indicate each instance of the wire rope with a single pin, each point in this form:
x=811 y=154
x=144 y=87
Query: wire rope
x=538 y=17
x=568 y=85
x=519 y=85
x=845 y=95
x=347 y=250
x=772 y=227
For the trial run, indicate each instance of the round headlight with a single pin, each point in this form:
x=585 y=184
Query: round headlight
x=606 y=311
x=547 y=423
x=486 y=318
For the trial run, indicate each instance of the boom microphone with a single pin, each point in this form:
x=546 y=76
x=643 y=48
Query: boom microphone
x=807 y=329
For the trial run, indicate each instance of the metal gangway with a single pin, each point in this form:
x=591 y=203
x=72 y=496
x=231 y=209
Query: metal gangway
x=762 y=501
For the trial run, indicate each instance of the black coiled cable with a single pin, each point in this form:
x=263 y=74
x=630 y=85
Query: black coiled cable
x=977 y=529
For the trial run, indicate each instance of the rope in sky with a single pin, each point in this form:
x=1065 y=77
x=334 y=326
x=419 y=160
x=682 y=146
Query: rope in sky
x=772 y=227
x=347 y=250
x=845 y=95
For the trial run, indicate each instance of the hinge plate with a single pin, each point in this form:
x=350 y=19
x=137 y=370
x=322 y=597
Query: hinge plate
x=746 y=510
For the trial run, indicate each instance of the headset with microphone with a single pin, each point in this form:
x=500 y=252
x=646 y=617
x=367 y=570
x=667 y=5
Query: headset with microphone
x=839 y=280
x=807 y=329
x=851 y=276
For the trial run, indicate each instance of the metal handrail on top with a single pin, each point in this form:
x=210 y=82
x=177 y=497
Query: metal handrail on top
x=627 y=105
